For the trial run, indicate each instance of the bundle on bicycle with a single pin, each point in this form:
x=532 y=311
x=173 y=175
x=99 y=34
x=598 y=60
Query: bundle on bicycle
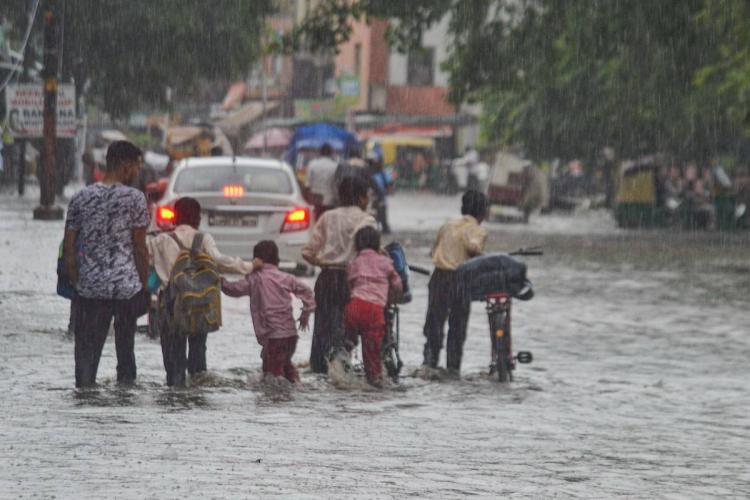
x=497 y=279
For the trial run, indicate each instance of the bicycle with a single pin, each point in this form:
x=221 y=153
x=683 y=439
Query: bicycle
x=496 y=280
x=498 y=306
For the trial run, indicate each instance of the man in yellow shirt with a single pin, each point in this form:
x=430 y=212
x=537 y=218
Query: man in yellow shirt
x=457 y=241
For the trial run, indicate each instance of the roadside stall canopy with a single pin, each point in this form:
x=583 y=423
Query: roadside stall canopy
x=314 y=136
x=248 y=113
x=274 y=138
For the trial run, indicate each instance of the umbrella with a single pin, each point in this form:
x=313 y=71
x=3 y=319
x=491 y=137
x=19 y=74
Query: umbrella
x=314 y=136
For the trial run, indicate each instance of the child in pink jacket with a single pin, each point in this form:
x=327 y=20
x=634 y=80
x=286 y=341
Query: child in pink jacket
x=270 y=291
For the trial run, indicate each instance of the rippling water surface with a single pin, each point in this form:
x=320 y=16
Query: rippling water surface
x=639 y=388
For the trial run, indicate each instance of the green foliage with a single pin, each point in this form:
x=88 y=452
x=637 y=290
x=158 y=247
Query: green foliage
x=564 y=78
x=727 y=75
x=131 y=50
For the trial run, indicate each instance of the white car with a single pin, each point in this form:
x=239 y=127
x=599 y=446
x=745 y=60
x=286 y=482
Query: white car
x=243 y=201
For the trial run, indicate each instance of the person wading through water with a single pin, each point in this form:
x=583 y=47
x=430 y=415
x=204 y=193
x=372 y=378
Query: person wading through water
x=164 y=250
x=457 y=241
x=107 y=221
x=331 y=247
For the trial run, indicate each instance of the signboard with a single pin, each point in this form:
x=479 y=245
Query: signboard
x=25 y=108
x=337 y=107
x=349 y=86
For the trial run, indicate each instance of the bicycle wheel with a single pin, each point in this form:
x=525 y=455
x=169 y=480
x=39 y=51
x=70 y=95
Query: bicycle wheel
x=389 y=350
x=502 y=364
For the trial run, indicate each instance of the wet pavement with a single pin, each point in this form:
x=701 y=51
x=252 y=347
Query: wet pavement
x=638 y=387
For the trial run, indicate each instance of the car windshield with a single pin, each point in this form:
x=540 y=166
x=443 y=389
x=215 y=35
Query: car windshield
x=212 y=178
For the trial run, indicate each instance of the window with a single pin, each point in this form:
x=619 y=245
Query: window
x=212 y=179
x=357 y=58
x=420 y=67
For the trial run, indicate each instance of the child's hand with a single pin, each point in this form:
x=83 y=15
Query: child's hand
x=304 y=320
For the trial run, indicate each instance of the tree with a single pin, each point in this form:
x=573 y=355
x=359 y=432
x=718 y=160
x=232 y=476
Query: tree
x=564 y=78
x=132 y=50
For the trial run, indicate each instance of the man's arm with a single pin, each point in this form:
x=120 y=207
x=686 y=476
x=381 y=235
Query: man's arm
x=475 y=240
x=226 y=263
x=316 y=242
x=69 y=255
x=139 y=225
x=141 y=254
x=310 y=175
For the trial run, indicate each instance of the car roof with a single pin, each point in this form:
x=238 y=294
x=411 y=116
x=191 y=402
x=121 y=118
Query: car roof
x=240 y=161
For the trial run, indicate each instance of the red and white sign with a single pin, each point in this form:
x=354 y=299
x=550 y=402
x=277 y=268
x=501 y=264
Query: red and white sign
x=25 y=105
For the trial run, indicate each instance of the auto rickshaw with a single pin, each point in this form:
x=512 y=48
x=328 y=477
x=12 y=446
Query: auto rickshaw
x=641 y=202
x=413 y=160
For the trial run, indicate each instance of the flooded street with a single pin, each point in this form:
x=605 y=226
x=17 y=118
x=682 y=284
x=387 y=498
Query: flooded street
x=638 y=389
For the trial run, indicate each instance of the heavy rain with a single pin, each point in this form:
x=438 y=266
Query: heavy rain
x=374 y=249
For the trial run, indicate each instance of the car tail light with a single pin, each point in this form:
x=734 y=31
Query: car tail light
x=296 y=220
x=234 y=191
x=165 y=216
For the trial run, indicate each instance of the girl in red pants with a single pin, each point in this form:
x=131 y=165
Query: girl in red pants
x=372 y=280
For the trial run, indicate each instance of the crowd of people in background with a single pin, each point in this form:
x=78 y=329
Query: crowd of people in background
x=325 y=174
x=691 y=189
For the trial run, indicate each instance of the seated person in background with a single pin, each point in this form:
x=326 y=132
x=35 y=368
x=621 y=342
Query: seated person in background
x=270 y=291
x=700 y=203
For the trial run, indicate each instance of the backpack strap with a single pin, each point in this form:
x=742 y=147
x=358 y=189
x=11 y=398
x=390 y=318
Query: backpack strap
x=197 y=243
x=177 y=240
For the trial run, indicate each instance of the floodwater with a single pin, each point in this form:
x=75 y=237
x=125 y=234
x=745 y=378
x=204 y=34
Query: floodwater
x=639 y=388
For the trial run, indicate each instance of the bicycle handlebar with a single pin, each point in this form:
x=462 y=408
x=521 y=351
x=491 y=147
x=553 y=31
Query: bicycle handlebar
x=419 y=270
x=531 y=251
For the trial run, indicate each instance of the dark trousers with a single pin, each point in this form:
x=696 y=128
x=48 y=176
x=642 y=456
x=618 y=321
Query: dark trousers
x=173 y=346
x=92 y=320
x=277 y=358
x=381 y=216
x=331 y=297
x=446 y=301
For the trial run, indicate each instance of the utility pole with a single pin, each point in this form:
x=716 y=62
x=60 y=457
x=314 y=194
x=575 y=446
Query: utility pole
x=27 y=62
x=47 y=209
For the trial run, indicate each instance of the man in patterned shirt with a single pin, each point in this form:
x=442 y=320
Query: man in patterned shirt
x=107 y=261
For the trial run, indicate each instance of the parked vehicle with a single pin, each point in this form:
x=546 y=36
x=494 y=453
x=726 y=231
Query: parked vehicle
x=244 y=201
x=506 y=180
x=641 y=202
x=413 y=160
